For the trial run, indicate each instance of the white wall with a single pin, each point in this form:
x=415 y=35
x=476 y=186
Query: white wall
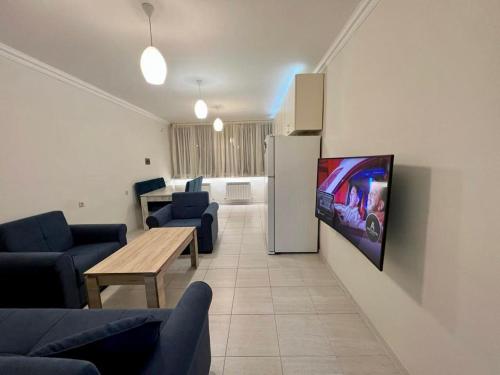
x=218 y=187
x=60 y=144
x=421 y=79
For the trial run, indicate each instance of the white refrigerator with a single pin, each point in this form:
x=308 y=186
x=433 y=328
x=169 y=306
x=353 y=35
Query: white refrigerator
x=291 y=163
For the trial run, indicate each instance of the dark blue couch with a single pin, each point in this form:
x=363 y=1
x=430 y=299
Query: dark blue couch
x=183 y=347
x=190 y=210
x=42 y=259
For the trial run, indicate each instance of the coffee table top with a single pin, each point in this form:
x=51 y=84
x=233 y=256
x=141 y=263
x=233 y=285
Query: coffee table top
x=147 y=254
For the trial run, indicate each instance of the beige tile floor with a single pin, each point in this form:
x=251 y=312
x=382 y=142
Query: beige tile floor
x=271 y=314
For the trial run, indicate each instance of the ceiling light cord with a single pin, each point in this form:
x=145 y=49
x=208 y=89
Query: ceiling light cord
x=150 y=32
x=199 y=88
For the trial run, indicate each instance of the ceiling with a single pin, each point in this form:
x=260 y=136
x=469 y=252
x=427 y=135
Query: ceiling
x=245 y=51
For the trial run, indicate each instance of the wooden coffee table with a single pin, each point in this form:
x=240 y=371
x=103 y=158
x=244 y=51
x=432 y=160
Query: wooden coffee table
x=143 y=261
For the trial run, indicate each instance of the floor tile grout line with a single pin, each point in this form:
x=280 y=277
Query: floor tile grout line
x=230 y=321
x=275 y=323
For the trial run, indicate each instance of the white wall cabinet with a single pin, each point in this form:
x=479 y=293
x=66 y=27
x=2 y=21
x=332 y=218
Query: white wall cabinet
x=302 y=109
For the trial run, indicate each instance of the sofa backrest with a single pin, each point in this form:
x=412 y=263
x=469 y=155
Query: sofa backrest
x=45 y=232
x=144 y=187
x=189 y=205
x=194 y=185
x=199 y=183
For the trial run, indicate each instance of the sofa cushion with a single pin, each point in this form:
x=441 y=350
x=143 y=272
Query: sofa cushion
x=56 y=230
x=184 y=223
x=23 y=329
x=120 y=346
x=87 y=256
x=189 y=205
x=24 y=235
x=45 y=232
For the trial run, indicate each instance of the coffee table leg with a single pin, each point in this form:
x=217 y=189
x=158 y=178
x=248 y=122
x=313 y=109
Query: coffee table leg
x=155 y=291
x=193 y=247
x=93 y=292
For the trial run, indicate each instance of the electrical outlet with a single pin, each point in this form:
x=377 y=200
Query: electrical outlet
x=147 y=161
x=81 y=204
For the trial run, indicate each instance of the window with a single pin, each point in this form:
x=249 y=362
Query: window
x=198 y=150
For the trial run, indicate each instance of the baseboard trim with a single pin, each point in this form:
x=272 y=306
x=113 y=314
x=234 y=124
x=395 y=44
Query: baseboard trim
x=21 y=58
x=360 y=14
x=390 y=353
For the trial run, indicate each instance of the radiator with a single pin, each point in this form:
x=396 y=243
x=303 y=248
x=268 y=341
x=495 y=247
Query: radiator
x=238 y=191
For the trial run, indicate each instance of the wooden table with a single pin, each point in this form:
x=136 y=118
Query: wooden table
x=144 y=261
x=160 y=195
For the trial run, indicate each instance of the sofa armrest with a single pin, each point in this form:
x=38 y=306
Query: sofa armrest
x=210 y=214
x=184 y=340
x=21 y=365
x=38 y=279
x=160 y=217
x=95 y=233
x=210 y=223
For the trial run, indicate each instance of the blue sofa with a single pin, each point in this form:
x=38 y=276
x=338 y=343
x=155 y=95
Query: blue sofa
x=190 y=210
x=42 y=259
x=194 y=185
x=182 y=348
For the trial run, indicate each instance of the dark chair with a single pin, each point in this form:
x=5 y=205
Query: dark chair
x=190 y=210
x=144 y=187
x=194 y=185
x=182 y=348
x=42 y=259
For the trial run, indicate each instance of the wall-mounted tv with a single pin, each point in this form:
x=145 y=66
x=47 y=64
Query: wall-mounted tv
x=352 y=196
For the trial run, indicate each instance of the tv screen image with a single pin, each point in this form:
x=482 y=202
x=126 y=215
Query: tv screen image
x=352 y=196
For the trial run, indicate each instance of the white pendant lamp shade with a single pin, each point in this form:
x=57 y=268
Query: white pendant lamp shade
x=201 y=109
x=153 y=66
x=218 y=125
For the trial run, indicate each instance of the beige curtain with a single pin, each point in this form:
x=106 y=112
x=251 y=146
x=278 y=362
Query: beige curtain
x=198 y=150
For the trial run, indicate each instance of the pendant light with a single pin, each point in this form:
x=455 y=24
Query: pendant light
x=200 y=107
x=218 y=124
x=153 y=65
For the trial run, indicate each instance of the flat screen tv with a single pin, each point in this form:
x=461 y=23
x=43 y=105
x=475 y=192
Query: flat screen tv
x=352 y=196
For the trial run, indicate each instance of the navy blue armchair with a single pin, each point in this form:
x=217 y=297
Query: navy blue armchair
x=182 y=348
x=42 y=259
x=190 y=210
